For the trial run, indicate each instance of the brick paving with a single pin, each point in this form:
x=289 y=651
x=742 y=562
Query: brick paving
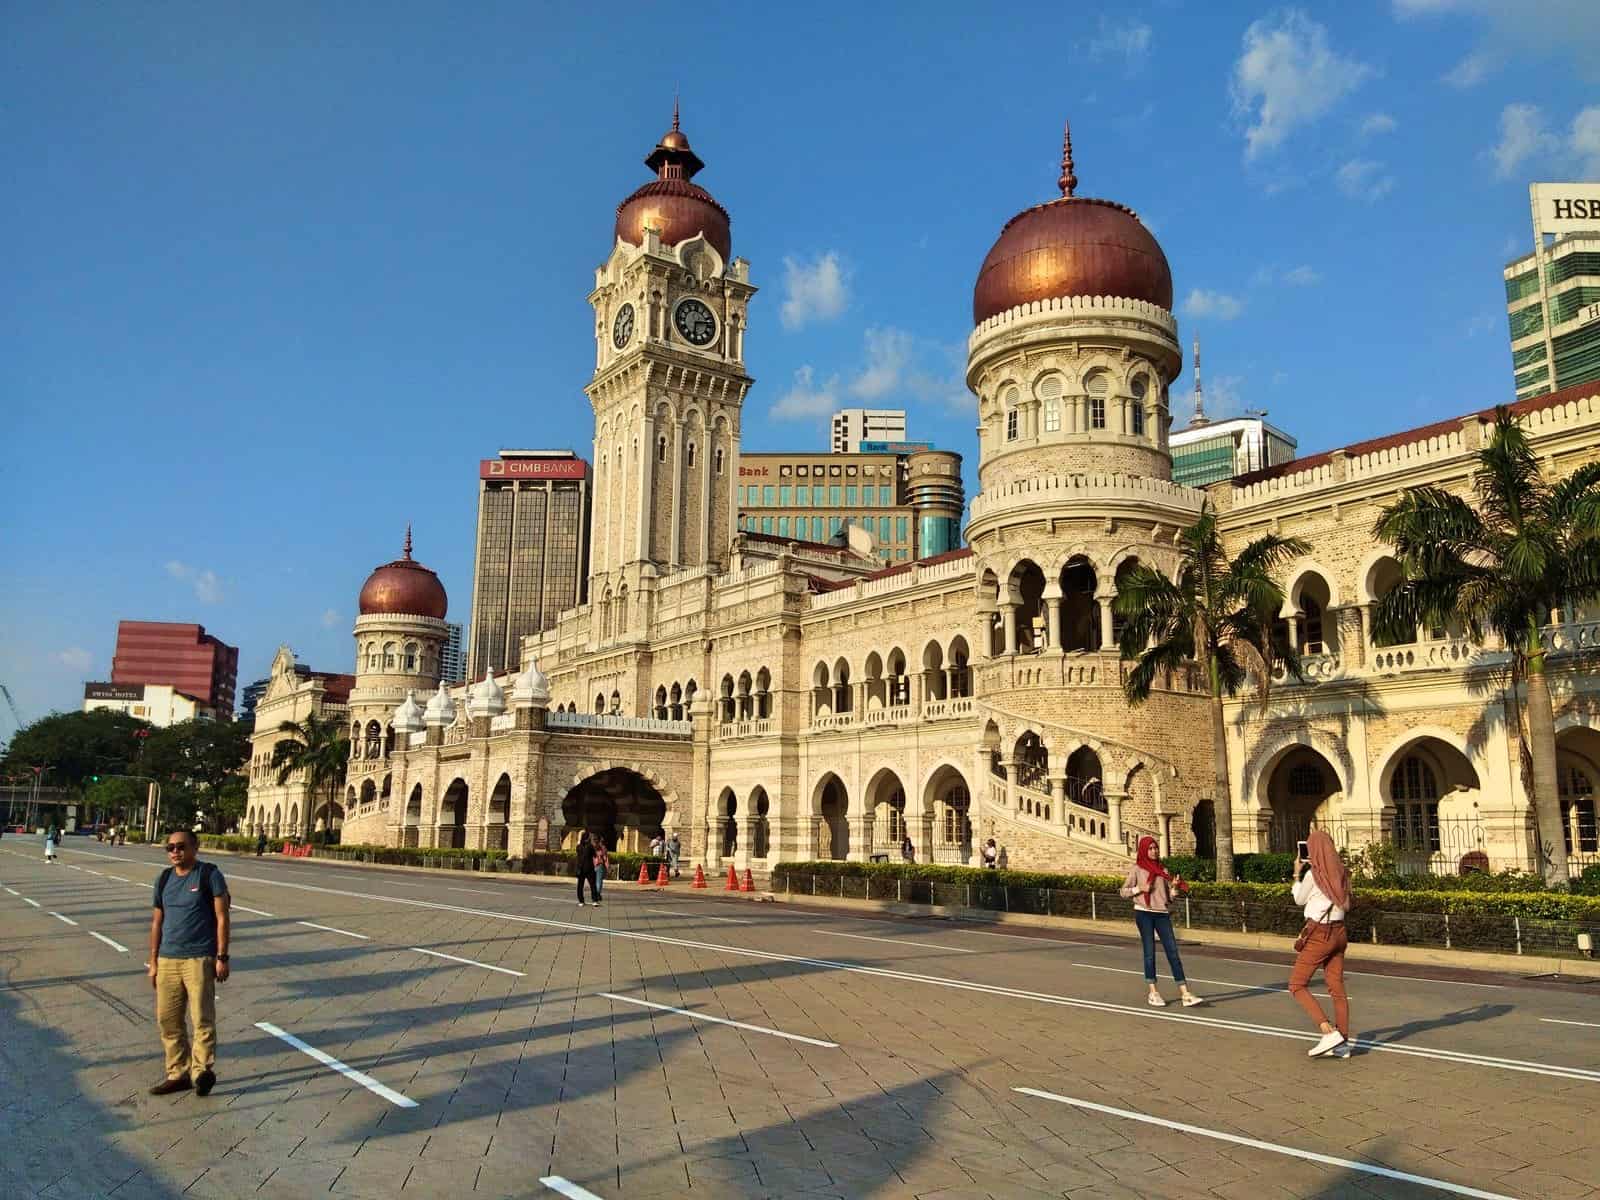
x=517 y=1078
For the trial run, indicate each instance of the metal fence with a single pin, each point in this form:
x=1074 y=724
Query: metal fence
x=1447 y=931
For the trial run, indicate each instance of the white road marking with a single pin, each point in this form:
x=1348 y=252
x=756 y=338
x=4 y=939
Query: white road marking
x=672 y=912
x=862 y=937
x=471 y=962
x=331 y=929
x=254 y=911
x=108 y=941
x=1557 y=1021
x=327 y=1060
x=13 y=891
x=1346 y=1164
x=1251 y=962
x=119 y=878
x=567 y=1188
x=1254 y=987
x=59 y=917
x=479 y=891
x=700 y=1016
x=35 y=903
x=90 y=871
x=1141 y=1012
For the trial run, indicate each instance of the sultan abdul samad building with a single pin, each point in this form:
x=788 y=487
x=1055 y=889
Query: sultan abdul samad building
x=766 y=698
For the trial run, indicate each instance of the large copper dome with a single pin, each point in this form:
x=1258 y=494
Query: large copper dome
x=404 y=587
x=672 y=205
x=1074 y=246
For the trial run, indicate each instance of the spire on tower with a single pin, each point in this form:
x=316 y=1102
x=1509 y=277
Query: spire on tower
x=406 y=550
x=1199 y=417
x=1068 y=180
x=675 y=109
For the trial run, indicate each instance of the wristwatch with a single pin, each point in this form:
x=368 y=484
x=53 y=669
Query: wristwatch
x=222 y=958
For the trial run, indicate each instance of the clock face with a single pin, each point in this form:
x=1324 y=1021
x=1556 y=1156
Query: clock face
x=695 y=322
x=622 y=327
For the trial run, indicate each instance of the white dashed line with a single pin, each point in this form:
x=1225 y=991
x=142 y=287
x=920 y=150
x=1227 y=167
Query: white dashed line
x=1253 y=987
x=479 y=891
x=471 y=962
x=59 y=917
x=327 y=1060
x=254 y=911
x=108 y=941
x=862 y=937
x=699 y=1016
x=13 y=891
x=1345 y=1164
x=35 y=903
x=331 y=929
x=567 y=1188
x=671 y=912
x=1558 y=1021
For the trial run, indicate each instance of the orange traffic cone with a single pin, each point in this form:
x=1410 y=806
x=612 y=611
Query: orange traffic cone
x=644 y=872
x=747 y=884
x=733 y=880
x=699 y=877
x=661 y=876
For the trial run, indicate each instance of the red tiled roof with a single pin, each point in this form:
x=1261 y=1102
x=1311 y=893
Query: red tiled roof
x=1421 y=433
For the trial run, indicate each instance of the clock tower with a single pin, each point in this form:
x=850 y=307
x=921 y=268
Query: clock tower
x=670 y=307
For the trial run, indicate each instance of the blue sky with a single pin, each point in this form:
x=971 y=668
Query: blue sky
x=278 y=275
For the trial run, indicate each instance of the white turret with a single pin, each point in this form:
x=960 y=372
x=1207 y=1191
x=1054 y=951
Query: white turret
x=532 y=687
x=441 y=709
x=408 y=716
x=486 y=699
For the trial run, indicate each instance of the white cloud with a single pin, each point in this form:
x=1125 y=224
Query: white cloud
x=1481 y=324
x=1224 y=395
x=1217 y=305
x=1302 y=276
x=1287 y=76
x=1470 y=71
x=888 y=354
x=75 y=657
x=1378 y=123
x=1363 y=179
x=807 y=398
x=330 y=618
x=1523 y=136
x=1130 y=41
x=206 y=583
x=818 y=290
x=1585 y=141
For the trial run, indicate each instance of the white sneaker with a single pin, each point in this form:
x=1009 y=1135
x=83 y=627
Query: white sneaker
x=1328 y=1042
x=583 y=904
x=1154 y=1000
x=1192 y=1001
x=1342 y=1050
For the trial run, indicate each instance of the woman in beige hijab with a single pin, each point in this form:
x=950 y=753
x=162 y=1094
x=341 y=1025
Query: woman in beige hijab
x=1324 y=893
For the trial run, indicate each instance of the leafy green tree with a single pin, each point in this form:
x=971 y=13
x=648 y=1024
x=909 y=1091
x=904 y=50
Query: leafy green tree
x=118 y=797
x=197 y=761
x=76 y=746
x=1218 y=616
x=1501 y=561
x=319 y=749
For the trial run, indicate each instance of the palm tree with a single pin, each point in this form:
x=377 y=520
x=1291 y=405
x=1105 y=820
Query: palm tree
x=1219 y=616
x=319 y=748
x=1501 y=561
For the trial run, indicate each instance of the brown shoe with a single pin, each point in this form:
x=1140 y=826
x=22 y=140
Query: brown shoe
x=204 y=1082
x=167 y=1086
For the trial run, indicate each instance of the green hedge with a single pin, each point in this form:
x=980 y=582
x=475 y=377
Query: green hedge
x=1263 y=905
x=411 y=855
x=231 y=841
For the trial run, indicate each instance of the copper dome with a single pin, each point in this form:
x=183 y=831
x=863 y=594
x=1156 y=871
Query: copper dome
x=1074 y=246
x=670 y=204
x=404 y=587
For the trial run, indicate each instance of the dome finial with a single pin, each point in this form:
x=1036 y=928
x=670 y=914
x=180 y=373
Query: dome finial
x=406 y=550
x=1068 y=180
x=675 y=109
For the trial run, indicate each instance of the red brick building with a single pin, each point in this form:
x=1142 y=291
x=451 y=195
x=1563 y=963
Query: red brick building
x=184 y=656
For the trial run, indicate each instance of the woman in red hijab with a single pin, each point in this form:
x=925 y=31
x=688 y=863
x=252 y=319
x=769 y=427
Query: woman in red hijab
x=1324 y=893
x=1151 y=886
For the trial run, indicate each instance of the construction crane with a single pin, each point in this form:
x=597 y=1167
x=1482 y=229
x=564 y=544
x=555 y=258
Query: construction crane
x=12 y=704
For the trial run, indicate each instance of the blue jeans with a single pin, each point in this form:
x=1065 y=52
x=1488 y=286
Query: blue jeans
x=1150 y=924
x=599 y=880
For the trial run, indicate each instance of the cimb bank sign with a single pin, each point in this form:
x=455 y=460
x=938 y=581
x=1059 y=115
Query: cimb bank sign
x=1564 y=208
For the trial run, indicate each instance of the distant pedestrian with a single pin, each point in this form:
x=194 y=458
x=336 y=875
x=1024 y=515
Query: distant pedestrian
x=52 y=842
x=583 y=867
x=189 y=931
x=261 y=843
x=674 y=851
x=908 y=852
x=1151 y=887
x=658 y=846
x=991 y=854
x=602 y=860
x=1323 y=892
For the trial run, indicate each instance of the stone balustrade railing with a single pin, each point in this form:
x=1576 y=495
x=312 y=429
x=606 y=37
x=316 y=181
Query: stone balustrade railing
x=743 y=729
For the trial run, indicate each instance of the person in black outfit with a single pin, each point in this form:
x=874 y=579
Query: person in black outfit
x=583 y=864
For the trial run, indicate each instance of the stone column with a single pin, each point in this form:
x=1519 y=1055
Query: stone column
x=1010 y=611
x=745 y=849
x=1165 y=820
x=860 y=828
x=675 y=454
x=647 y=458
x=949 y=682
x=707 y=468
x=1013 y=795
x=1052 y=615
x=1058 y=793
x=1107 y=641
x=1114 y=815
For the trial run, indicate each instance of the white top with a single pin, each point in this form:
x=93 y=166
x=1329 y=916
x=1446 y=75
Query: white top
x=1315 y=901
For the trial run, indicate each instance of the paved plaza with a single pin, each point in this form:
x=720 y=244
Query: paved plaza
x=394 y=1033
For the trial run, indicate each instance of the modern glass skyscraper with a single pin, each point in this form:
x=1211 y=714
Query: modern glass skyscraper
x=453 y=662
x=1553 y=294
x=533 y=551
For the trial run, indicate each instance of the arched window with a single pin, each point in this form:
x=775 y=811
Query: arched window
x=411 y=656
x=661 y=449
x=599 y=704
x=1140 y=389
x=689 y=690
x=1050 y=390
x=616 y=703
x=1575 y=783
x=1096 y=387
x=1414 y=788
x=689 y=454
x=717 y=459
x=374 y=740
x=763 y=694
x=1012 y=401
x=388 y=655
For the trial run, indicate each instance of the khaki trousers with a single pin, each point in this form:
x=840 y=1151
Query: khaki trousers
x=187 y=986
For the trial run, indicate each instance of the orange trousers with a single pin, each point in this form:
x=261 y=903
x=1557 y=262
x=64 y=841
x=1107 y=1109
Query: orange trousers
x=1324 y=948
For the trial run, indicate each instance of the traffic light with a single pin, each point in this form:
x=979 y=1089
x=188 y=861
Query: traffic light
x=94 y=779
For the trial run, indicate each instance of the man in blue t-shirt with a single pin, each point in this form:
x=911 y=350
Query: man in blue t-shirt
x=188 y=958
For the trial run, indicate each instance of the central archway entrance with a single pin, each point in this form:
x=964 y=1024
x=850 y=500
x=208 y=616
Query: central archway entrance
x=621 y=806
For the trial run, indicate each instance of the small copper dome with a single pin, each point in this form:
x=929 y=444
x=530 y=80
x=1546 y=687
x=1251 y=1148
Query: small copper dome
x=670 y=204
x=404 y=587
x=1073 y=246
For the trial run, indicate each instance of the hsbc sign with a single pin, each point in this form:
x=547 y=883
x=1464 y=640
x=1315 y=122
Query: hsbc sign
x=1565 y=207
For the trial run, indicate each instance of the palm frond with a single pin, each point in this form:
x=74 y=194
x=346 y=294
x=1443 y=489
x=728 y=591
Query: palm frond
x=1508 y=483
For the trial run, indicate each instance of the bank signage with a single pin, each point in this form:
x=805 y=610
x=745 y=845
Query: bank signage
x=1565 y=207
x=532 y=468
